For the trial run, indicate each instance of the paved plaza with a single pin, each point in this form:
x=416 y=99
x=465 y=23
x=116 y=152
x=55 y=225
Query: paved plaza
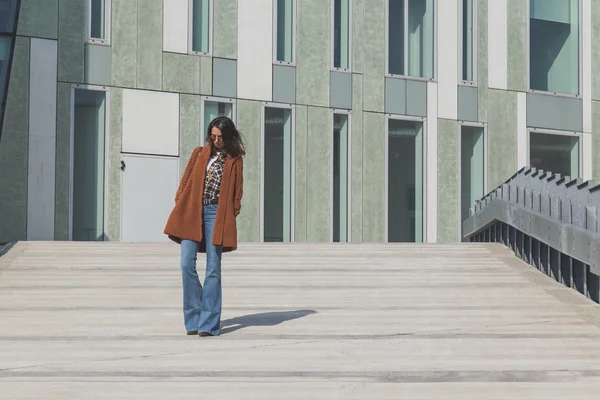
x=300 y=321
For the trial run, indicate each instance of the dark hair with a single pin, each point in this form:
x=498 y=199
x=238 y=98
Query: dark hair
x=234 y=143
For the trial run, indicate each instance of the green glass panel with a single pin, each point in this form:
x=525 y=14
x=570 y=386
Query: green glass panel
x=88 y=165
x=341 y=34
x=340 y=178
x=287 y=176
x=5 y=44
x=472 y=168
x=467 y=40
x=7 y=25
x=277 y=175
x=554 y=46
x=420 y=38
x=285 y=27
x=8 y=10
x=201 y=26
x=418 y=209
x=405 y=181
x=555 y=153
x=574 y=158
x=98 y=18
x=213 y=110
x=396 y=36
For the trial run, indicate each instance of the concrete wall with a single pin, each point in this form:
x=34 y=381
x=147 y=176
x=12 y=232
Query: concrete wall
x=148 y=50
x=14 y=149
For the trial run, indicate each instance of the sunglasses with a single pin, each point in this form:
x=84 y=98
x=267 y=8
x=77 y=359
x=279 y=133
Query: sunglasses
x=215 y=137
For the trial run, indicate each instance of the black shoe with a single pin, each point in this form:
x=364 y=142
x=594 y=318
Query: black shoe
x=190 y=333
x=204 y=334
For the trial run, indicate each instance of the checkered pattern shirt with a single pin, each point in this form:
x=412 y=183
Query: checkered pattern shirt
x=212 y=181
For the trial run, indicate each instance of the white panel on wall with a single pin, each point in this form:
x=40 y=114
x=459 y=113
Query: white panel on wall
x=255 y=49
x=432 y=160
x=498 y=44
x=586 y=47
x=175 y=25
x=150 y=122
x=587 y=156
x=147 y=177
x=42 y=139
x=448 y=50
x=521 y=130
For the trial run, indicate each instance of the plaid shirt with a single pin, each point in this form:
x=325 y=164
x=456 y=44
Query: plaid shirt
x=212 y=181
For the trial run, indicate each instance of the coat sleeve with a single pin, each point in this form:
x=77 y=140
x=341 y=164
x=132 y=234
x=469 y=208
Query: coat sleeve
x=239 y=187
x=188 y=172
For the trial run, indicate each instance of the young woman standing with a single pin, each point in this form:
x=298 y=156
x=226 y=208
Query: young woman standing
x=204 y=221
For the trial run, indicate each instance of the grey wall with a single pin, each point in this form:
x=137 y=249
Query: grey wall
x=447 y=180
x=63 y=162
x=374 y=202
x=301 y=195
x=596 y=141
x=312 y=52
x=502 y=136
x=14 y=148
x=248 y=220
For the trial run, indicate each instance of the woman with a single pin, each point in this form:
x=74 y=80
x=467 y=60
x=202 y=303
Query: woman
x=204 y=221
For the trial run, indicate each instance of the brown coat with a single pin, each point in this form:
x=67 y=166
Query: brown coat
x=185 y=221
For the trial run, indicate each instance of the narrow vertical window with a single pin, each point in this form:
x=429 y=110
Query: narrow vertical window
x=420 y=38
x=97 y=26
x=396 y=36
x=277 y=187
x=201 y=22
x=5 y=45
x=472 y=168
x=341 y=34
x=554 y=46
x=8 y=13
x=88 y=165
x=8 y=9
x=212 y=110
x=98 y=12
x=468 y=34
x=284 y=28
x=340 y=177
x=410 y=44
x=555 y=153
x=405 y=181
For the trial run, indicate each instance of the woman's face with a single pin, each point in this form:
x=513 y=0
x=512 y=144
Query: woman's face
x=217 y=138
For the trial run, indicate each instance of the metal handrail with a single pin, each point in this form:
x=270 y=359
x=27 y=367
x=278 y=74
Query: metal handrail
x=550 y=221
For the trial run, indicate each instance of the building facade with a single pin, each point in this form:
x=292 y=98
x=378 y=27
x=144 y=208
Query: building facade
x=365 y=120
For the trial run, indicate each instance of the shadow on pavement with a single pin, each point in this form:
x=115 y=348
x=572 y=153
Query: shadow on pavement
x=262 y=319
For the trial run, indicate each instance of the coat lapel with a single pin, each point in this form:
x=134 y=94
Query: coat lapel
x=204 y=156
x=200 y=168
x=227 y=170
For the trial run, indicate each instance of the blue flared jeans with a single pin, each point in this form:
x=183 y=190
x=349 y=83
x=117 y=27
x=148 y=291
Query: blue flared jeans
x=202 y=305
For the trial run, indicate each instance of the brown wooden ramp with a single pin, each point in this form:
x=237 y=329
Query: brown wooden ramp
x=300 y=321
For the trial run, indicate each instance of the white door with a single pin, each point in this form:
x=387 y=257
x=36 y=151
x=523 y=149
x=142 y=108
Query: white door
x=148 y=191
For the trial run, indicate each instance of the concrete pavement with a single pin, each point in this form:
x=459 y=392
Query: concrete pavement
x=300 y=321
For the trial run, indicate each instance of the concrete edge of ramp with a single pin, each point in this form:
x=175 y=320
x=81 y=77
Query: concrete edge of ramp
x=584 y=307
x=9 y=252
x=6 y=247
